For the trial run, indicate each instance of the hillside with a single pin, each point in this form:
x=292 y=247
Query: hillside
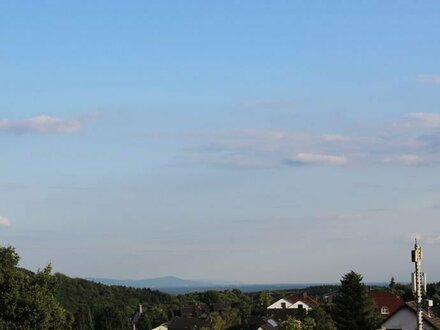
x=159 y=282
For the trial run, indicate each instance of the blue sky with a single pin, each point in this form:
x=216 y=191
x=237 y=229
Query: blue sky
x=258 y=141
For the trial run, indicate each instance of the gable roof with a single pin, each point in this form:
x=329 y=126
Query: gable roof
x=304 y=298
x=386 y=299
x=431 y=319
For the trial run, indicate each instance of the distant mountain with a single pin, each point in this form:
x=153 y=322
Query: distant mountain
x=159 y=282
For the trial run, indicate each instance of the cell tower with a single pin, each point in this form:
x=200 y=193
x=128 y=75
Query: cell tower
x=418 y=282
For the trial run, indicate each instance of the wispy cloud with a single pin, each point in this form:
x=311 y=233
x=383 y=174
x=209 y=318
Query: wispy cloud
x=403 y=159
x=335 y=138
x=4 y=222
x=44 y=124
x=412 y=140
x=429 y=78
x=430 y=238
x=427 y=119
x=319 y=159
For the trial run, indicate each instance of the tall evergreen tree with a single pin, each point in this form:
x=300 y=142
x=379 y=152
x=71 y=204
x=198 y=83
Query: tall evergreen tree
x=354 y=309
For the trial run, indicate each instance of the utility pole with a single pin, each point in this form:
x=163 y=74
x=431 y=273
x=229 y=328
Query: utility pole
x=416 y=257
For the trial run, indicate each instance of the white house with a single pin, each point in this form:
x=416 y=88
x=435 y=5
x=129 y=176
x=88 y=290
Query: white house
x=405 y=318
x=294 y=302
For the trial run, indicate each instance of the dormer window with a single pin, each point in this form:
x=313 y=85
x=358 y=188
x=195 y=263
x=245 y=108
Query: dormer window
x=384 y=310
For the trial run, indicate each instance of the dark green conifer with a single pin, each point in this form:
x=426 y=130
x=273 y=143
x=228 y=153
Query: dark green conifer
x=354 y=309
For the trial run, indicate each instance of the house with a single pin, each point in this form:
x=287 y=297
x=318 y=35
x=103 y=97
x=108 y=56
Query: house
x=405 y=318
x=188 y=323
x=199 y=310
x=270 y=324
x=294 y=305
x=193 y=316
x=386 y=302
x=298 y=302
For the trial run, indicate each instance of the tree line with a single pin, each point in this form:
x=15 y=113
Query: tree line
x=43 y=300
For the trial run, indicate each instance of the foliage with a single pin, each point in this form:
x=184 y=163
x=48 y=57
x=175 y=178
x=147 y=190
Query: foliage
x=264 y=299
x=290 y=324
x=354 y=309
x=322 y=319
x=28 y=300
x=433 y=292
x=308 y=323
x=93 y=303
x=402 y=290
x=392 y=285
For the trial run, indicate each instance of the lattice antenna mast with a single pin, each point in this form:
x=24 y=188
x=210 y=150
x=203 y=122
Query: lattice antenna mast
x=417 y=278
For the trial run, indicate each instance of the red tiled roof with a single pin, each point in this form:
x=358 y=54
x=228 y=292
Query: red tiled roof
x=386 y=299
x=304 y=298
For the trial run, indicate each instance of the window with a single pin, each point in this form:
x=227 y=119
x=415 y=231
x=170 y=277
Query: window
x=384 y=310
x=300 y=306
x=283 y=305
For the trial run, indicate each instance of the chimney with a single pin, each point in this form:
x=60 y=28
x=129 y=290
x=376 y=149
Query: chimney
x=305 y=295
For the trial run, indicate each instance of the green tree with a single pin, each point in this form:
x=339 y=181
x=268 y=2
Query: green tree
x=264 y=299
x=322 y=319
x=392 y=285
x=28 y=300
x=354 y=309
x=111 y=318
x=218 y=323
x=157 y=315
x=83 y=319
x=308 y=323
x=290 y=323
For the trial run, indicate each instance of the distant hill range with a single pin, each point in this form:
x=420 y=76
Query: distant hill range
x=165 y=282
x=175 y=285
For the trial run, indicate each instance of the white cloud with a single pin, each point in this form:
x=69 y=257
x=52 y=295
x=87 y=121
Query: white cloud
x=4 y=222
x=335 y=138
x=413 y=141
x=430 y=239
x=403 y=159
x=319 y=159
x=429 y=78
x=44 y=124
x=427 y=119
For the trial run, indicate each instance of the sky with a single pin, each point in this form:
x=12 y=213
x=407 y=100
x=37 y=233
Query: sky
x=252 y=141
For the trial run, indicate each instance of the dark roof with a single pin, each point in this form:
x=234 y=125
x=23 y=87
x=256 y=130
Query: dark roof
x=386 y=299
x=188 y=323
x=284 y=314
x=269 y=325
x=194 y=310
x=430 y=319
x=304 y=298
